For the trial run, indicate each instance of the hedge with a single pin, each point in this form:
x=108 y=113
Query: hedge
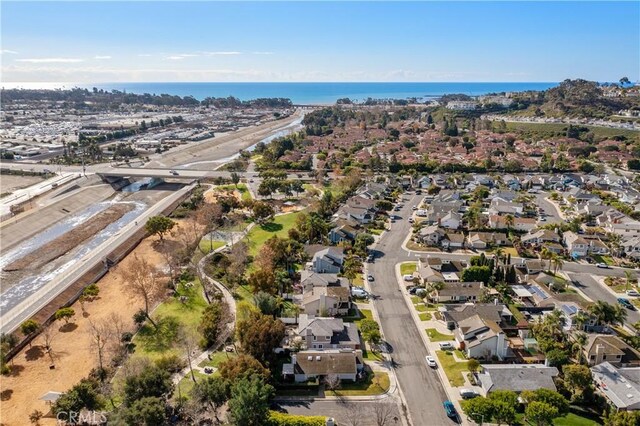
x=282 y=419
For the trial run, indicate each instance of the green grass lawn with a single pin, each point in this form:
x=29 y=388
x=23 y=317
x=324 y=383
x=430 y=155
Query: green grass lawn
x=603 y=259
x=364 y=314
x=550 y=129
x=425 y=316
x=242 y=189
x=421 y=308
x=186 y=384
x=570 y=419
x=375 y=384
x=243 y=292
x=452 y=369
x=278 y=227
x=205 y=245
x=358 y=280
x=436 y=336
x=170 y=316
x=217 y=358
x=407 y=268
x=415 y=300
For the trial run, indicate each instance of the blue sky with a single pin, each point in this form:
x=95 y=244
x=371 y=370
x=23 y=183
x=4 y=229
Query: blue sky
x=326 y=41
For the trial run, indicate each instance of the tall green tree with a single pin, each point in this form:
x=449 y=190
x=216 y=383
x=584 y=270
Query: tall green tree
x=249 y=403
x=159 y=225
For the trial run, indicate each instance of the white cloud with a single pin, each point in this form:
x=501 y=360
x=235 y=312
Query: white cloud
x=181 y=56
x=7 y=51
x=51 y=60
x=222 y=53
x=262 y=53
x=102 y=57
x=144 y=55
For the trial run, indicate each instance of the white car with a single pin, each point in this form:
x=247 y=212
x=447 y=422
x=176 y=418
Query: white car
x=407 y=277
x=633 y=293
x=431 y=361
x=603 y=266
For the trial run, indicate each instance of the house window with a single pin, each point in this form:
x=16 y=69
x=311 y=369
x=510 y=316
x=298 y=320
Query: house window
x=315 y=338
x=320 y=346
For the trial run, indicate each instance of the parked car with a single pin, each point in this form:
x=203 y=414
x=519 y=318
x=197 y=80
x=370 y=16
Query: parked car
x=467 y=393
x=369 y=277
x=633 y=293
x=625 y=302
x=407 y=277
x=431 y=361
x=414 y=208
x=359 y=292
x=413 y=290
x=446 y=346
x=603 y=266
x=450 y=409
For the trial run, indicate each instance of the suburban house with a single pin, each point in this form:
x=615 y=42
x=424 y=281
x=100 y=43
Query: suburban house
x=452 y=240
x=482 y=240
x=533 y=266
x=452 y=315
x=326 y=301
x=373 y=190
x=451 y=220
x=631 y=246
x=435 y=269
x=310 y=364
x=621 y=386
x=540 y=236
x=516 y=377
x=327 y=333
x=458 y=292
x=609 y=348
x=431 y=235
x=343 y=231
x=576 y=245
x=359 y=209
x=328 y=260
x=519 y=223
x=310 y=279
x=481 y=338
x=501 y=207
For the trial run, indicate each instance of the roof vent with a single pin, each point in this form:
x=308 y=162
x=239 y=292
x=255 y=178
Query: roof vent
x=318 y=358
x=310 y=358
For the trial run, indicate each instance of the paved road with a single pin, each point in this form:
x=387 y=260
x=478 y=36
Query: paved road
x=596 y=291
x=420 y=385
x=548 y=208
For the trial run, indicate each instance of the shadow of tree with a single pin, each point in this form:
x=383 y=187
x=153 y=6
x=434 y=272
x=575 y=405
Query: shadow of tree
x=34 y=353
x=5 y=395
x=272 y=227
x=15 y=370
x=160 y=339
x=69 y=327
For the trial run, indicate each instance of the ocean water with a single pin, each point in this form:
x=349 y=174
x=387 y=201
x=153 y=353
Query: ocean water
x=311 y=93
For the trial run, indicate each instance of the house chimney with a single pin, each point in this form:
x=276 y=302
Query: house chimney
x=599 y=354
x=495 y=301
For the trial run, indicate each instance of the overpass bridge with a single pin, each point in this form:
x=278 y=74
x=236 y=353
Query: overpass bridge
x=183 y=174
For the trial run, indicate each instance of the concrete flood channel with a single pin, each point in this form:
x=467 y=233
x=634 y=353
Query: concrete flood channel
x=19 y=285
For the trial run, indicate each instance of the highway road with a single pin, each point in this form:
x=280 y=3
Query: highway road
x=419 y=384
x=11 y=319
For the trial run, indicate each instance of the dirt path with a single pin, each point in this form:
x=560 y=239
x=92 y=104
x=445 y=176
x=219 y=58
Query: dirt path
x=70 y=240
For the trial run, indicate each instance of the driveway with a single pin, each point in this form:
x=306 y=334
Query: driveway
x=419 y=384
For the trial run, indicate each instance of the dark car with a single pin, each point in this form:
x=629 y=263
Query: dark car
x=625 y=302
x=450 y=409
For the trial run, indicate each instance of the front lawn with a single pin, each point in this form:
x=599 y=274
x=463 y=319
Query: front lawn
x=421 y=307
x=436 y=336
x=452 y=368
x=425 y=316
x=570 y=419
x=279 y=227
x=217 y=358
x=183 y=389
x=376 y=383
x=415 y=300
x=408 y=268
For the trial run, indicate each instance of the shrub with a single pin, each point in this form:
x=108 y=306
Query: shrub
x=282 y=419
x=171 y=363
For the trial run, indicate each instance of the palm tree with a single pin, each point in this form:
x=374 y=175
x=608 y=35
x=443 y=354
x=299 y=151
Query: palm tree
x=499 y=256
x=628 y=277
x=556 y=262
x=580 y=319
x=545 y=253
x=580 y=339
x=619 y=315
x=599 y=311
x=509 y=221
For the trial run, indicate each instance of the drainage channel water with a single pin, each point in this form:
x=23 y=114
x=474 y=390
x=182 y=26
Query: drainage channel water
x=31 y=284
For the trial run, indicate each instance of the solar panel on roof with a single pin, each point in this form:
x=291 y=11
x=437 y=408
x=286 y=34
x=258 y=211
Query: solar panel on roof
x=539 y=292
x=569 y=309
